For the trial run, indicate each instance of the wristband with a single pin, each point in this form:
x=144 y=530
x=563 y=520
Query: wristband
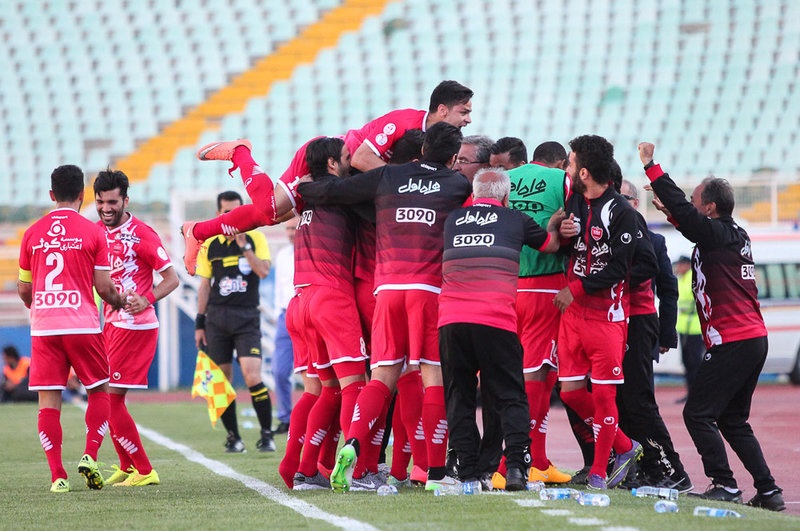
x=200 y=321
x=649 y=165
x=150 y=298
x=247 y=247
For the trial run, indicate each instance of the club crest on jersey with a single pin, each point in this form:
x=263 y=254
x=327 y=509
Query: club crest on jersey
x=597 y=233
x=420 y=186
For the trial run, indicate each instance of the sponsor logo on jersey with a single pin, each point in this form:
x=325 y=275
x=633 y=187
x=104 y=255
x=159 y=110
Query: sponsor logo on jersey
x=477 y=218
x=128 y=238
x=228 y=285
x=598 y=250
x=473 y=240
x=597 y=233
x=415 y=215
x=746 y=251
x=389 y=128
x=525 y=189
x=420 y=186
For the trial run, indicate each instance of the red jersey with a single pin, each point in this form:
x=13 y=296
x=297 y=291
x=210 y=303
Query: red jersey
x=381 y=133
x=58 y=256
x=325 y=245
x=134 y=252
x=296 y=170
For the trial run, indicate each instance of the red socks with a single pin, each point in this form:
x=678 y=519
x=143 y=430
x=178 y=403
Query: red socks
x=98 y=409
x=538 y=407
x=295 y=438
x=126 y=438
x=409 y=401
x=320 y=419
x=434 y=422
x=349 y=399
x=401 y=449
x=51 y=437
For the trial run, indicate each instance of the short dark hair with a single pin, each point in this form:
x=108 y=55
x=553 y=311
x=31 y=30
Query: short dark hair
x=719 y=191
x=515 y=147
x=442 y=142
x=11 y=351
x=594 y=153
x=549 y=152
x=449 y=93
x=109 y=179
x=408 y=147
x=319 y=150
x=616 y=176
x=67 y=183
x=228 y=195
x=484 y=145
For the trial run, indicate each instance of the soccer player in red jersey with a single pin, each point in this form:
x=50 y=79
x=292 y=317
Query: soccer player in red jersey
x=130 y=334
x=327 y=321
x=595 y=304
x=370 y=146
x=411 y=202
x=62 y=256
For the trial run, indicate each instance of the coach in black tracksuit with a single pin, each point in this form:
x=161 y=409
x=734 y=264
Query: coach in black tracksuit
x=724 y=284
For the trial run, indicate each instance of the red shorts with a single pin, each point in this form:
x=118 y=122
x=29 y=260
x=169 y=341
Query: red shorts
x=331 y=331
x=591 y=347
x=299 y=348
x=52 y=357
x=365 y=301
x=130 y=354
x=404 y=328
x=537 y=326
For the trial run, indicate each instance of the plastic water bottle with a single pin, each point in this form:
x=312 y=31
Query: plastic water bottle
x=471 y=487
x=665 y=506
x=715 y=512
x=655 y=492
x=596 y=500
x=449 y=490
x=387 y=490
x=534 y=486
x=558 y=494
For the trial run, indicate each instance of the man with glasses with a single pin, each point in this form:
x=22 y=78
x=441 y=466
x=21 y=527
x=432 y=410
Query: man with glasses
x=473 y=155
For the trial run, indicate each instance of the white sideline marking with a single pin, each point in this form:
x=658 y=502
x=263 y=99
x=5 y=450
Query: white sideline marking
x=265 y=489
x=586 y=521
x=557 y=512
x=531 y=503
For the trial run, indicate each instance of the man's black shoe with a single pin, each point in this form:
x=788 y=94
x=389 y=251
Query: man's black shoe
x=516 y=479
x=770 y=502
x=282 y=428
x=580 y=477
x=718 y=493
x=677 y=481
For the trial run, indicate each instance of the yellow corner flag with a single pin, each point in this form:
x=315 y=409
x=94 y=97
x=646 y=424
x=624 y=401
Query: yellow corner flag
x=210 y=382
